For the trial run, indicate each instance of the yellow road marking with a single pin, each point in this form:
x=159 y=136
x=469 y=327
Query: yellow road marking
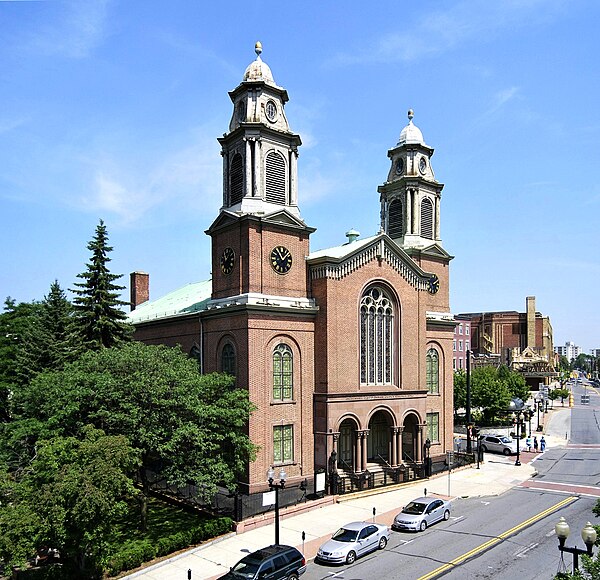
x=497 y=539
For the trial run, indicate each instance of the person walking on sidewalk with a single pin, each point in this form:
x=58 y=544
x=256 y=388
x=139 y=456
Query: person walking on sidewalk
x=528 y=443
x=542 y=444
x=535 y=444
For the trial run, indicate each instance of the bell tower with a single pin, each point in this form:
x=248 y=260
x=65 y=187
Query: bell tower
x=259 y=152
x=410 y=198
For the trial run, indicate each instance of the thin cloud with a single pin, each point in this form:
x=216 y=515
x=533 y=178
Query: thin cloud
x=442 y=30
x=75 y=32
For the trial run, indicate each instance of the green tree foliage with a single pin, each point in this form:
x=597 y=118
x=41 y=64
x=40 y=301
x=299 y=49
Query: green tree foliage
x=48 y=342
x=14 y=324
x=100 y=322
x=514 y=382
x=69 y=498
x=460 y=389
x=491 y=389
x=188 y=427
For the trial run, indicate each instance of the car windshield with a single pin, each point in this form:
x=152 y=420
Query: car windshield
x=506 y=440
x=343 y=535
x=414 y=508
x=245 y=568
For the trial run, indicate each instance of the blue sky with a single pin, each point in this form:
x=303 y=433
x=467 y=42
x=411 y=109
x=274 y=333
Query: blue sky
x=111 y=109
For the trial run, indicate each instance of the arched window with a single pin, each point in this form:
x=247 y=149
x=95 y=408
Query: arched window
x=376 y=337
x=228 y=359
x=283 y=373
x=433 y=371
x=275 y=178
x=395 y=221
x=236 y=180
x=427 y=219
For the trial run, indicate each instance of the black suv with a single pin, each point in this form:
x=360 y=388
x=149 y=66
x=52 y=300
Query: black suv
x=270 y=563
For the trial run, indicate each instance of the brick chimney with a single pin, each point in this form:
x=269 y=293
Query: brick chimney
x=139 y=288
x=530 y=304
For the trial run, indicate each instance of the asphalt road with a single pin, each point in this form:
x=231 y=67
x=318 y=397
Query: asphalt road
x=500 y=537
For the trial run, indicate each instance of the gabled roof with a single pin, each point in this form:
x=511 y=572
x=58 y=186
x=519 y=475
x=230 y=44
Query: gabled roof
x=191 y=298
x=279 y=217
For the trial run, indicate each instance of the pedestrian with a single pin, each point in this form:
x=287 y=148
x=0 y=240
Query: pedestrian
x=535 y=444
x=542 y=444
x=528 y=443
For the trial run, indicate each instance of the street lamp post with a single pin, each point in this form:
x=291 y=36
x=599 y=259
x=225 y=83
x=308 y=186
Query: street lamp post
x=588 y=534
x=519 y=422
x=427 y=464
x=276 y=486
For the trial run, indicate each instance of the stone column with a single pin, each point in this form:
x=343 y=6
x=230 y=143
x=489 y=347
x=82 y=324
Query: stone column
x=357 y=452
x=364 y=434
x=257 y=172
x=437 y=218
x=408 y=205
x=248 y=167
x=394 y=446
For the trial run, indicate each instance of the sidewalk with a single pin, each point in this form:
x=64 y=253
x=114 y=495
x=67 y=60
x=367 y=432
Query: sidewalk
x=495 y=476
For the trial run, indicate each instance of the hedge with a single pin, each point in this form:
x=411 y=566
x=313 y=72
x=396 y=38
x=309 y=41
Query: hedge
x=135 y=553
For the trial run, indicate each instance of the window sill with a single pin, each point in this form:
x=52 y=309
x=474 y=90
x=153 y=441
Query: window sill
x=284 y=402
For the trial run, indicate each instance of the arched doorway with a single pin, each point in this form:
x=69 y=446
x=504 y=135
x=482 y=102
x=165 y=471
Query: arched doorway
x=378 y=441
x=410 y=439
x=347 y=444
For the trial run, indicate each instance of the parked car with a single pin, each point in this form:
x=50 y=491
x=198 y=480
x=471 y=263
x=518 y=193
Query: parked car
x=498 y=444
x=420 y=513
x=353 y=540
x=272 y=562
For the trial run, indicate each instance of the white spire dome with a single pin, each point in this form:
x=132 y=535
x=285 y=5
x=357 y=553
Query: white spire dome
x=411 y=133
x=259 y=70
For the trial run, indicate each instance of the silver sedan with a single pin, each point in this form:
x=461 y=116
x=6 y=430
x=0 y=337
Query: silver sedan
x=420 y=513
x=353 y=540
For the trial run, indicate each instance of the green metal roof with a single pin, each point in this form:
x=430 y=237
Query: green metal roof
x=191 y=298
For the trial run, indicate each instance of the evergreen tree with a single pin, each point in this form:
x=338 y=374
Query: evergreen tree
x=99 y=322
x=47 y=343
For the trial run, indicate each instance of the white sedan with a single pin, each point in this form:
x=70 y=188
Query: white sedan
x=422 y=512
x=353 y=540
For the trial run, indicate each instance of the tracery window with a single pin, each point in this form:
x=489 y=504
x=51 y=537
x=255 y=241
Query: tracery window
x=427 y=218
x=433 y=371
x=376 y=337
x=283 y=443
x=283 y=373
x=433 y=427
x=228 y=359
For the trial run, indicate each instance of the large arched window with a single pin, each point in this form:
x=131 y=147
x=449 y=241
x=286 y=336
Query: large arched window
x=433 y=371
x=376 y=337
x=236 y=180
x=427 y=219
x=228 y=359
x=395 y=221
x=275 y=178
x=283 y=373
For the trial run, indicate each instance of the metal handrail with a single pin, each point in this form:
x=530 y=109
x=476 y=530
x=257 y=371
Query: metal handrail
x=383 y=459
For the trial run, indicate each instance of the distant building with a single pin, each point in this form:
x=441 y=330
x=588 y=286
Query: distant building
x=461 y=342
x=595 y=352
x=520 y=340
x=570 y=350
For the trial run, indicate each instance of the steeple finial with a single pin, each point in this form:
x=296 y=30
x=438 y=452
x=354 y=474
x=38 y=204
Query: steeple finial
x=258 y=48
x=411 y=114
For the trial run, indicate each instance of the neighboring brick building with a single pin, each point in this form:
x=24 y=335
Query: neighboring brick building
x=461 y=342
x=520 y=340
x=346 y=352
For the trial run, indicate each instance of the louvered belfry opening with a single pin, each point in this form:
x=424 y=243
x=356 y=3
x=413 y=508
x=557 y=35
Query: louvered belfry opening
x=236 y=180
x=395 y=221
x=275 y=178
x=427 y=219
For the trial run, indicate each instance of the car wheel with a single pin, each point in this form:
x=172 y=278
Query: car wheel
x=382 y=543
x=447 y=515
x=293 y=577
x=506 y=451
x=351 y=557
x=423 y=526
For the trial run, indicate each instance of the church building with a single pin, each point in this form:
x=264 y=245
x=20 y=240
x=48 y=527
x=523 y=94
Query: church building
x=347 y=351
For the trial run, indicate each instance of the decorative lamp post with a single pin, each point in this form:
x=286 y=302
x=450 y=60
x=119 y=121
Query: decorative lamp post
x=588 y=534
x=427 y=464
x=276 y=486
x=519 y=422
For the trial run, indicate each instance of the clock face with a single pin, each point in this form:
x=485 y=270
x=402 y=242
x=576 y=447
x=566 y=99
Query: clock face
x=399 y=166
x=422 y=164
x=227 y=261
x=434 y=284
x=271 y=111
x=281 y=259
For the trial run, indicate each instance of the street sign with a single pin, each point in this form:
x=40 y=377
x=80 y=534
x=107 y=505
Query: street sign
x=585 y=399
x=450 y=455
